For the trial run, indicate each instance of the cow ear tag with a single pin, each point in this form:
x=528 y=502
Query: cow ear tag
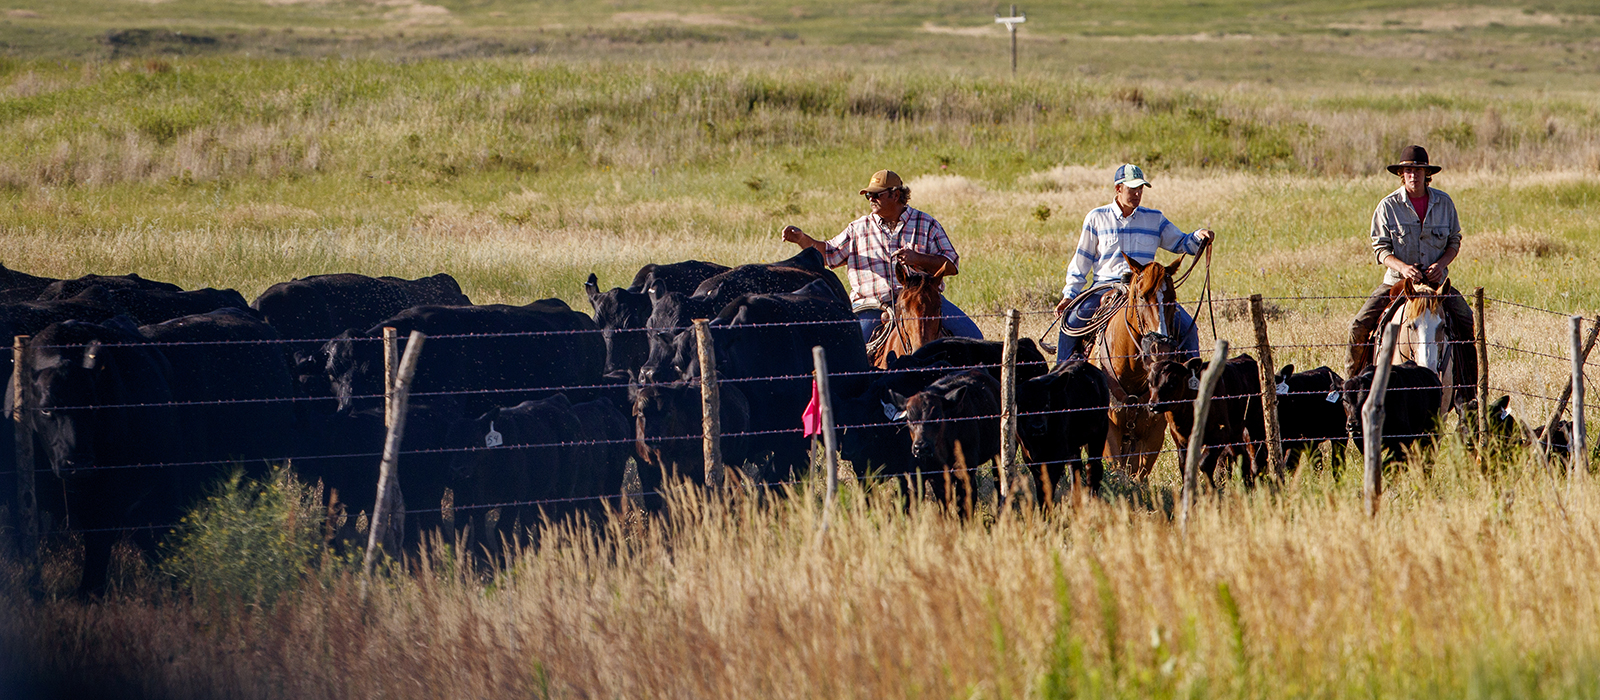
x=1283 y=388
x=1194 y=382
x=492 y=438
x=1333 y=396
x=890 y=412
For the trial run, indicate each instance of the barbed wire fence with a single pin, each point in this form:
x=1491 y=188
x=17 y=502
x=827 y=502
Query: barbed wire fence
x=1009 y=463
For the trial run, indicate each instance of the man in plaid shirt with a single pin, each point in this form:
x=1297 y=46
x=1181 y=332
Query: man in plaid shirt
x=1109 y=232
x=871 y=245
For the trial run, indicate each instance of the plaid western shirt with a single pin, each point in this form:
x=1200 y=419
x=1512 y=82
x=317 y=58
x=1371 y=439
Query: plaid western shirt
x=1107 y=235
x=867 y=243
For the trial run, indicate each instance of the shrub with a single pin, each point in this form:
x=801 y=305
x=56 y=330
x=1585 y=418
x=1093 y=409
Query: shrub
x=250 y=541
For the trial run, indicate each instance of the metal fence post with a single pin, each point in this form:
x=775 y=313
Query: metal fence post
x=387 y=485
x=1269 y=388
x=710 y=403
x=1197 y=434
x=1372 y=421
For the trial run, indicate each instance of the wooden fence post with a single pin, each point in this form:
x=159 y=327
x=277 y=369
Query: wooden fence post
x=1372 y=421
x=1197 y=435
x=382 y=510
x=710 y=403
x=391 y=368
x=1269 y=388
x=1566 y=392
x=1481 y=345
x=1008 y=407
x=1580 y=436
x=27 y=495
x=830 y=454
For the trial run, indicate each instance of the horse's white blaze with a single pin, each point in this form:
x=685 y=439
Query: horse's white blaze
x=1429 y=350
x=1161 y=310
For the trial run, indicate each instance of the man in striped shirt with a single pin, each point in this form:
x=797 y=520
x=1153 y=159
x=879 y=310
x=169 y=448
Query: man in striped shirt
x=871 y=245
x=1109 y=232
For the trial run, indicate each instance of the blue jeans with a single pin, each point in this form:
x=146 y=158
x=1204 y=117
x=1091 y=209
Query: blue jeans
x=954 y=319
x=1188 y=334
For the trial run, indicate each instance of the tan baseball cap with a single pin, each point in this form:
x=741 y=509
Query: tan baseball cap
x=883 y=180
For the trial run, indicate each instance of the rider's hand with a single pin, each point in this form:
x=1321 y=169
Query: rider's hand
x=1415 y=274
x=1435 y=274
x=1205 y=236
x=1061 y=307
x=793 y=234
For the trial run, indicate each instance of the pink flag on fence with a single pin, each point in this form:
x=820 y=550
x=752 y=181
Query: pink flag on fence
x=811 y=419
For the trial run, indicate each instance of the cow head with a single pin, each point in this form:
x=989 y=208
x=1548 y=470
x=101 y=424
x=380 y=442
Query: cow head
x=1353 y=396
x=621 y=316
x=75 y=368
x=354 y=367
x=1175 y=382
x=665 y=417
x=927 y=416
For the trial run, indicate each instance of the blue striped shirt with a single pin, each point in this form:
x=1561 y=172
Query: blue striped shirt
x=1108 y=235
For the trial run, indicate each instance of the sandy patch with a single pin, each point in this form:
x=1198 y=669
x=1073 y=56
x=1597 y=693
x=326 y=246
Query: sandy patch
x=1202 y=37
x=695 y=19
x=22 y=14
x=986 y=30
x=418 y=13
x=946 y=190
x=1456 y=18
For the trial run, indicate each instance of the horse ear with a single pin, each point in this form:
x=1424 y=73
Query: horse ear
x=1172 y=270
x=1134 y=264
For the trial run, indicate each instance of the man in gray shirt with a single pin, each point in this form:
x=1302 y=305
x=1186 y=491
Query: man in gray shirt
x=1415 y=234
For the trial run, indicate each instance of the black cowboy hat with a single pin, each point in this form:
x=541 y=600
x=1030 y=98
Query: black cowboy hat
x=1414 y=157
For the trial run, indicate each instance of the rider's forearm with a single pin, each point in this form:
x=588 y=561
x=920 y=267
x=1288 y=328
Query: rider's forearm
x=1448 y=256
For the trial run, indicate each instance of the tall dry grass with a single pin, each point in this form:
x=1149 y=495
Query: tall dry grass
x=1467 y=583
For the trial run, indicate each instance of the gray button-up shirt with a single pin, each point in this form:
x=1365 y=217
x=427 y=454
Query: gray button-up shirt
x=1397 y=231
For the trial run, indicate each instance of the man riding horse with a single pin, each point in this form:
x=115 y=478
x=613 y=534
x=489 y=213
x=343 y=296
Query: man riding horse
x=892 y=233
x=1415 y=234
x=1110 y=232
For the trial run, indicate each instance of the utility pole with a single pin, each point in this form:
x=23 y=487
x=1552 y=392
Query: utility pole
x=1011 y=25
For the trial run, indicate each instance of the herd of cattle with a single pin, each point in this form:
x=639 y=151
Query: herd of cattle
x=138 y=394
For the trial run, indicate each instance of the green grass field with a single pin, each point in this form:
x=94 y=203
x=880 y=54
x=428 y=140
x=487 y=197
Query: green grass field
x=520 y=146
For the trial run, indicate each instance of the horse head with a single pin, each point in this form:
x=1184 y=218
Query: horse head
x=1424 y=325
x=1152 y=307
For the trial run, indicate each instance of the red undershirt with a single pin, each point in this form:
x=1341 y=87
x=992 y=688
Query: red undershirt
x=1420 y=204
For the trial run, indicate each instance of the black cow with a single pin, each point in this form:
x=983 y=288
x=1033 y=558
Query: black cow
x=1235 y=426
x=1558 y=445
x=568 y=456
x=928 y=363
x=343 y=451
x=668 y=431
x=872 y=434
x=1310 y=413
x=198 y=395
x=1410 y=412
x=955 y=429
x=622 y=314
x=64 y=289
x=476 y=358
x=148 y=306
x=764 y=341
x=676 y=277
x=220 y=358
x=769 y=278
x=20 y=286
x=77 y=366
x=320 y=307
x=1063 y=420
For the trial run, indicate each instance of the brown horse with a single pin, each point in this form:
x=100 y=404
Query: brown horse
x=913 y=321
x=1142 y=332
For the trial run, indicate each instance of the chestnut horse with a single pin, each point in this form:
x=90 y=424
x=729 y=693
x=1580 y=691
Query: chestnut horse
x=1141 y=333
x=1425 y=337
x=914 y=320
